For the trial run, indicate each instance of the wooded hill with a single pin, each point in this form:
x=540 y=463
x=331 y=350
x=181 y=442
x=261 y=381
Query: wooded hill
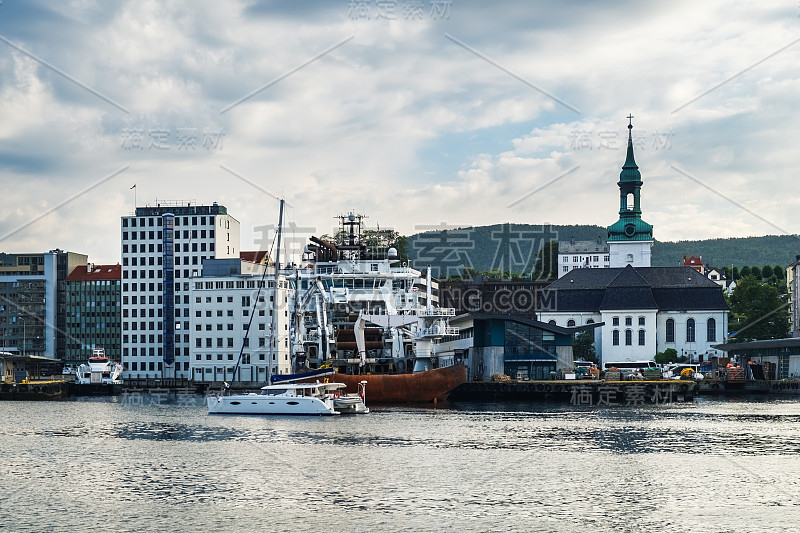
x=513 y=247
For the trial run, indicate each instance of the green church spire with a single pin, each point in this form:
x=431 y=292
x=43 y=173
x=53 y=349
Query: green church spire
x=630 y=226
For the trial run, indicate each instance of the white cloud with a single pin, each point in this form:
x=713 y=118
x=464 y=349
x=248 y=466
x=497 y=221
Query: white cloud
x=400 y=122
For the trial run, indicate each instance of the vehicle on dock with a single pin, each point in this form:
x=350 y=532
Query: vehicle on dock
x=627 y=368
x=676 y=371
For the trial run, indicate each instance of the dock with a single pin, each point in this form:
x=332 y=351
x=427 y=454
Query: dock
x=579 y=392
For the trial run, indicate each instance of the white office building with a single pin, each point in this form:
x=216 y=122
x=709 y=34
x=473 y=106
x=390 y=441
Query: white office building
x=222 y=306
x=163 y=247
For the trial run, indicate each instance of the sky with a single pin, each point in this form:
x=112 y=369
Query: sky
x=418 y=114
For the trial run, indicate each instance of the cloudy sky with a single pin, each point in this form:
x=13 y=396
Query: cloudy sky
x=415 y=113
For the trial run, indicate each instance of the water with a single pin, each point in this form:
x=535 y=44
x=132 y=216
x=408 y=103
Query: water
x=105 y=464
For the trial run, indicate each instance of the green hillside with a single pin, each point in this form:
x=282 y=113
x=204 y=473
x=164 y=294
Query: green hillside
x=513 y=247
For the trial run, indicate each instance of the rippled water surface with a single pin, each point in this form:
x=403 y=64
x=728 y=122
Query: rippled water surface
x=106 y=464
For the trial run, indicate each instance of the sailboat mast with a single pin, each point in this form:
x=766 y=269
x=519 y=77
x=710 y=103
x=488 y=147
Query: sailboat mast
x=275 y=301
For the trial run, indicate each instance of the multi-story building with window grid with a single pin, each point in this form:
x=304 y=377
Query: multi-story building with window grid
x=93 y=312
x=223 y=303
x=33 y=300
x=163 y=248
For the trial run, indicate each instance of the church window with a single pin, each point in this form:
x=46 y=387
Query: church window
x=590 y=321
x=711 y=330
x=552 y=322
x=628 y=320
x=641 y=321
x=615 y=321
x=629 y=258
x=641 y=337
x=570 y=323
x=690 y=330
x=628 y=337
x=629 y=201
x=670 y=330
x=615 y=337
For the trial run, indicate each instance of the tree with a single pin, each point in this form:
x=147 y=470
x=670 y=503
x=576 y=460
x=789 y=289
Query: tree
x=735 y=273
x=670 y=355
x=546 y=266
x=779 y=272
x=583 y=347
x=755 y=272
x=757 y=312
x=726 y=271
x=745 y=271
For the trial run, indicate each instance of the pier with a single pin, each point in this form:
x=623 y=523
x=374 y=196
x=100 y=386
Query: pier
x=579 y=392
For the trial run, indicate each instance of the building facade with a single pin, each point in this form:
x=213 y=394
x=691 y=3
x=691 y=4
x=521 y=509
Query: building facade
x=793 y=286
x=582 y=254
x=223 y=307
x=33 y=300
x=93 y=317
x=642 y=310
x=163 y=248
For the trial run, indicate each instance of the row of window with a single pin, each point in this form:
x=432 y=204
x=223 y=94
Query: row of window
x=156 y=221
x=711 y=330
x=580 y=259
x=153 y=248
x=151 y=235
x=628 y=337
x=691 y=327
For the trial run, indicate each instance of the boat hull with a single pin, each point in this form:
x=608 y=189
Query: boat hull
x=258 y=404
x=427 y=386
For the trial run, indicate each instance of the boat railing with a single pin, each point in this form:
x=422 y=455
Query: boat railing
x=438 y=311
x=436 y=331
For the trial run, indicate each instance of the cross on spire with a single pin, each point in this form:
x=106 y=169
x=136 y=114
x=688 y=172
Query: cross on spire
x=630 y=121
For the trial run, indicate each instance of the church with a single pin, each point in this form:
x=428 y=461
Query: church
x=643 y=310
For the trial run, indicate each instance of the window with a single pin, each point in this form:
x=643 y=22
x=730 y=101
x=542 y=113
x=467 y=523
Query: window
x=570 y=323
x=615 y=321
x=670 y=330
x=711 y=330
x=641 y=321
x=565 y=259
x=641 y=337
x=565 y=268
x=615 y=337
x=628 y=337
x=628 y=320
x=629 y=258
x=690 y=330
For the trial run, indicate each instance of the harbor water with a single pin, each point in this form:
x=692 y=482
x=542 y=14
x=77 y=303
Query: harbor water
x=163 y=464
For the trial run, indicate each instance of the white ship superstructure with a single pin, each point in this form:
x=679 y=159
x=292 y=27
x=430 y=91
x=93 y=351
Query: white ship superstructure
x=360 y=309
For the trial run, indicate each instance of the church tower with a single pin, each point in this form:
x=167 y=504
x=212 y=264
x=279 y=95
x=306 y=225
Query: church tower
x=630 y=238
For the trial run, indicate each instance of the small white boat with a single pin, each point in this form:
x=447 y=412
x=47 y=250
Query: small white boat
x=352 y=403
x=285 y=399
x=99 y=371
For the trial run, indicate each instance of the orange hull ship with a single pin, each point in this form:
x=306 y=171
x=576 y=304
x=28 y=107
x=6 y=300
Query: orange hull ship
x=428 y=386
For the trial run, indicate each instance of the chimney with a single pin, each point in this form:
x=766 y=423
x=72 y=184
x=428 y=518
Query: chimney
x=88 y=268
